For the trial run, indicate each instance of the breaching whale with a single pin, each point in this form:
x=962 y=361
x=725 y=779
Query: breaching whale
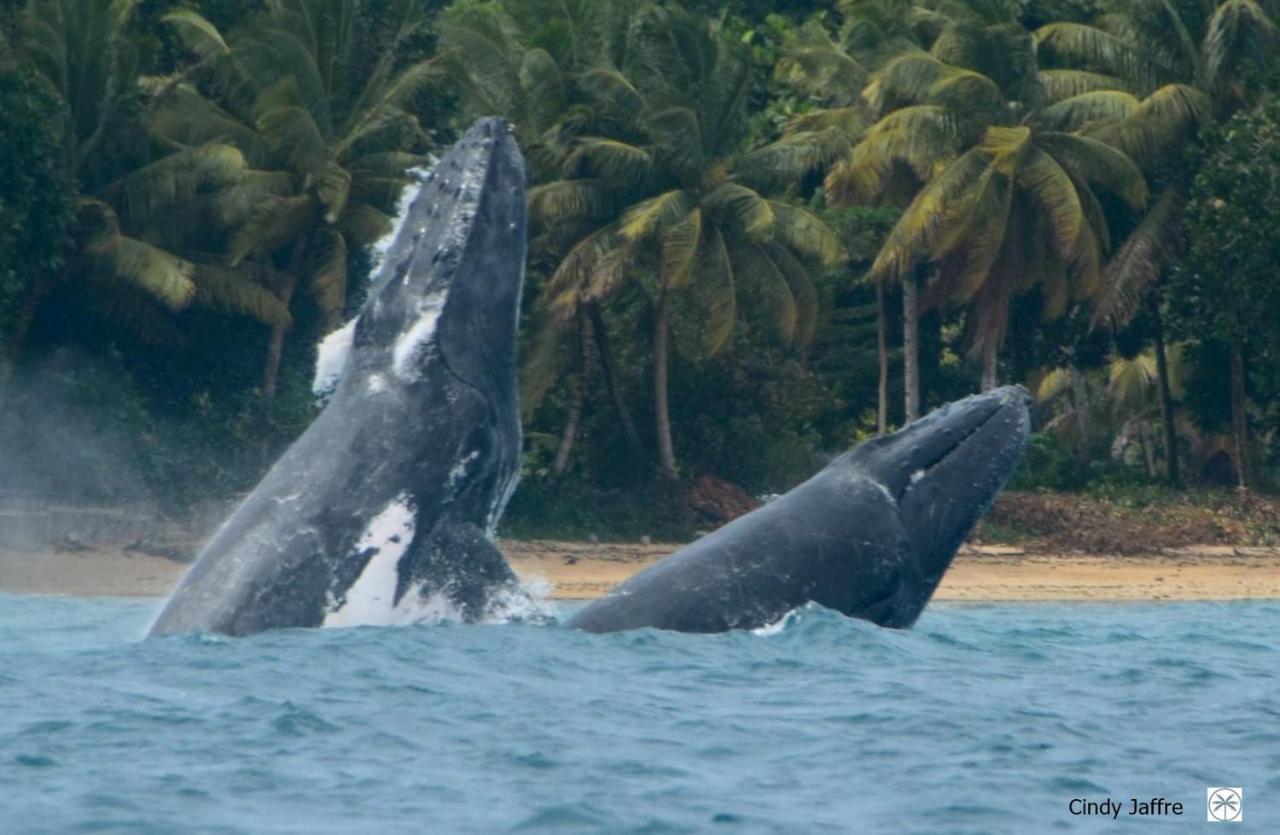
x=383 y=511
x=870 y=535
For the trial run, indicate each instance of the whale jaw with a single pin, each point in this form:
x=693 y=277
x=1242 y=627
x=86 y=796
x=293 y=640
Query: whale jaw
x=944 y=471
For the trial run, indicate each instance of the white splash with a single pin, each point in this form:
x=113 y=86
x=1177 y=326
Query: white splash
x=331 y=359
x=409 y=346
x=520 y=603
x=917 y=475
x=408 y=194
x=369 y=601
x=777 y=626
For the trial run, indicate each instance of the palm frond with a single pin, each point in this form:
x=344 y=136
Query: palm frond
x=568 y=201
x=794 y=156
x=1096 y=50
x=161 y=275
x=818 y=66
x=644 y=218
x=292 y=130
x=1131 y=383
x=329 y=274
x=1086 y=108
x=1136 y=265
x=916 y=230
x=1162 y=121
x=573 y=278
x=802 y=289
x=197 y=33
x=973 y=234
x=923 y=137
x=276 y=221
x=174 y=180
x=1061 y=84
x=716 y=293
x=333 y=187
x=1054 y=191
x=1239 y=30
x=611 y=86
x=363 y=224
x=804 y=233
x=236 y=291
x=1091 y=161
x=743 y=208
x=755 y=272
x=234 y=204
x=680 y=244
x=610 y=159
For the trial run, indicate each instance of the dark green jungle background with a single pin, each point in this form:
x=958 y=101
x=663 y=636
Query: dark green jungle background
x=751 y=224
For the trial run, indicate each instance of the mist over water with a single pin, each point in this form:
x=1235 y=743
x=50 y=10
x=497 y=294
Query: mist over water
x=984 y=718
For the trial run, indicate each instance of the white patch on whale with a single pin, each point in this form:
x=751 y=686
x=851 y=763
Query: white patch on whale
x=460 y=469
x=410 y=344
x=331 y=359
x=371 y=598
x=408 y=194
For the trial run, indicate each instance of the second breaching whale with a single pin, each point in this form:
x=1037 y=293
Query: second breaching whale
x=383 y=511
x=870 y=535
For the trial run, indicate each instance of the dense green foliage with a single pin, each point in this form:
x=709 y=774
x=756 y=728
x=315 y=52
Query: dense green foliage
x=35 y=205
x=759 y=231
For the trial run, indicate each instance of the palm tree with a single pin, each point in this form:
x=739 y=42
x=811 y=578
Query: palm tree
x=1134 y=390
x=833 y=72
x=1017 y=211
x=1191 y=63
x=324 y=126
x=128 y=230
x=659 y=192
x=1009 y=202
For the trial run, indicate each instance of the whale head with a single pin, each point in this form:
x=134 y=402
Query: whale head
x=448 y=288
x=944 y=471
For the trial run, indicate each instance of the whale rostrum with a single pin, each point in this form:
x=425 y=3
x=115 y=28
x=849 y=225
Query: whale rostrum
x=870 y=535
x=384 y=510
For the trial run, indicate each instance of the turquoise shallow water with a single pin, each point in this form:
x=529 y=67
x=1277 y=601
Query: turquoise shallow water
x=981 y=719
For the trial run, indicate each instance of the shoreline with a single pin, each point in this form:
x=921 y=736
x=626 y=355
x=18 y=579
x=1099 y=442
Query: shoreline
x=585 y=570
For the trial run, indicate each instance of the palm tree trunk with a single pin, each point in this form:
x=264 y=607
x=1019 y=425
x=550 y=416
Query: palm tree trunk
x=911 y=347
x=1148 y=453
x=990 y=364
x=26 y=315
x=605 y=355
x=1239 y=420
x=662 y=415
x=1166 y=400
x=1080 y=397
x=882 y=354
x=574 y=419
x=275 y=348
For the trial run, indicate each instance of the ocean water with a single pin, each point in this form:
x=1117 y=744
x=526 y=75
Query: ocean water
x=984 y=718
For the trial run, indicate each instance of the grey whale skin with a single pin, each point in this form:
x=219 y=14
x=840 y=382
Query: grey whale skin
x=870 y=535
x=413 y=458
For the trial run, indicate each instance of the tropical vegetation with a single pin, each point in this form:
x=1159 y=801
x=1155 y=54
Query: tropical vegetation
x=760 y=232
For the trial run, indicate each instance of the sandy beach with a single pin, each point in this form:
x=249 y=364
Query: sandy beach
x=583 y=570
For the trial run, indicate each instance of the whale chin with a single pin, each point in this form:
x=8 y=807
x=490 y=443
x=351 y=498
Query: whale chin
x=870 y=535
